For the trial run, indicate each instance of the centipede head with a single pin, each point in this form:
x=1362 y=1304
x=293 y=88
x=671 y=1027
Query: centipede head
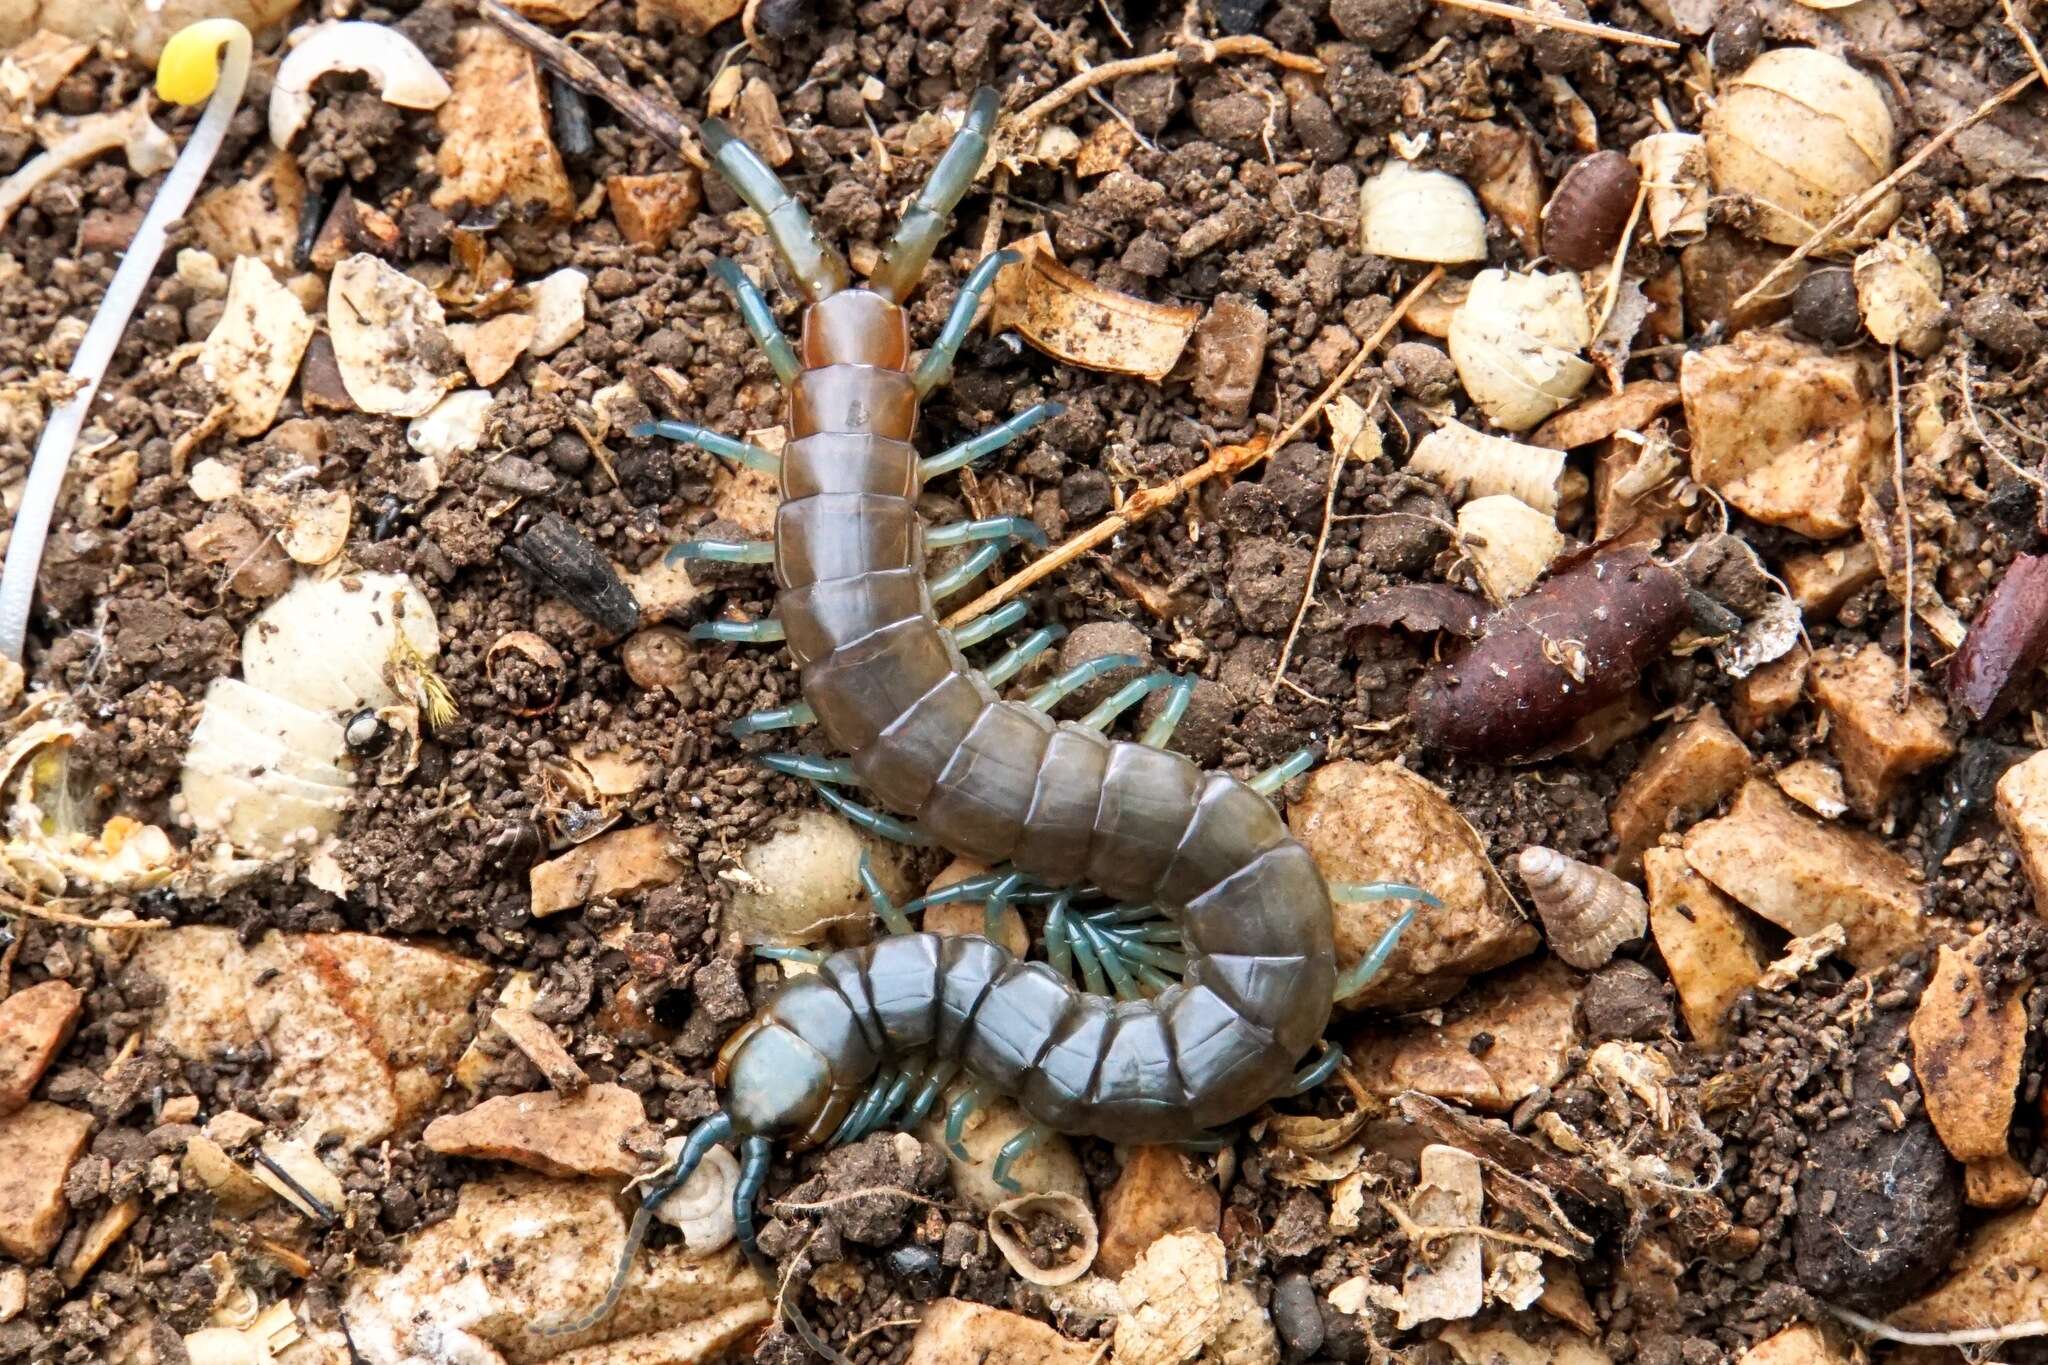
x=776 y=1083
x=856 y=327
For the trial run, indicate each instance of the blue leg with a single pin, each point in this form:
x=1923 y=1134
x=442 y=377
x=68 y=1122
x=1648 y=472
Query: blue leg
x=966 y=889
x=970 y=633
x=893 y=1101
x=1356 y=893
x=724 y=551
x=1059 y=947
x=1020 y=655
x=779 y=718
x=896 y=921
x=819 y=270
x=988 y=442
x=1125 y=697
x=937 y=364
x=1005 y=529
x=810 y=956
x=1078 y=677
x=999 y=900
x=924 y=222
x=1014 y=1148
x=935 y=1081
x=1283 y=772
x=754 y=1155
x=1207 y=1142
x=1120 y=979
x=1321 y=1069
x=956 y=1118
x=1169 y=718
x=766 y=631
x=965 y=572
x=863 y=1114
x=723 y=446
x=1366 y=968
x=707 y=1135
x=835 y=770
x=1092 y=979
x=888 y=826
x=759 y=320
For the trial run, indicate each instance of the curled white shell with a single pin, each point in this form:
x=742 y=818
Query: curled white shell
x=1516 y=342
x=1587 y=912
x=401 y=72
x=1674 y=170
x=1509 y=544
x=1411 y=215
x=328 y=643
x=1019 y=1227
x=702 y=1209
x=1472 y=464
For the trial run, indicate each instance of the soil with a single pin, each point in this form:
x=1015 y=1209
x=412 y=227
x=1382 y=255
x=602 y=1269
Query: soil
x=1242 y=180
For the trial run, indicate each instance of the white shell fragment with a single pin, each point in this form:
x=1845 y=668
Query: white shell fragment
x=1674 y=171
x=557 y=310
x=317 y=527
x=702 y=1209
x=1017 y=1226
x=391 y=338
x=454 y=427
x=1516 y=342
x=1509 y=543
x=401 y=72
x=264 y=772
x=253 y=352
x=1411 y=215
x=1898 y=291
x=328 y=643
x=1472 y=464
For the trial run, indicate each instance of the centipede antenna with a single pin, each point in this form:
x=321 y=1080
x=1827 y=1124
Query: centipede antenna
x=965 y=572
x=707 y=1135
x=767 y=631
x=820 y=272
x=809 y=956
x=1169 y=718
x=1366 y=968
x=873 y=821
x=1020 y=655
x=1124 y=698
x=778 y=718
x=1006 y=529
x=1078 y=677
x=937 y=364
x=999 y=900
x=836 y=770
x=895 y=919
x=924 y=222
x=1321 y=1069
x=717 y=442
x=970 y=633
x=1283 y=772
x=1016 y=1147
x=956 y=1118
x=987 y=442
x=724 y=551
x=759 y=320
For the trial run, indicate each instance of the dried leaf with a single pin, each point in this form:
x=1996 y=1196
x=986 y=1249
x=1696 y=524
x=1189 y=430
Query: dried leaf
x=1422 y=608
x=1078 y=321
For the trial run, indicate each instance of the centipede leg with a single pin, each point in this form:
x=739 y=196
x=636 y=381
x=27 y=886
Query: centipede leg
x=1078 y=677
x=999 y=900
x=1366 y=968
x=937 y=364
x=1206 y=1142
x=896 y=921
x=957 y=1111
x=986 y=443
x=755 y=1153
x=1283 y=772
x=1006 y=529
x=970 y=633
x=838 y=771
x=1016 y=1147
x=1021 y=655
x=1321 y=1069
x=1059 y=948
x=935 y=1081
x=767 y=631
x=863 y=1114
x=1160 y=731
x=778 y=718
x=724 y=551
x=965 y=572
x=759 y=320
x=717 y=442
x=774 y=953
x=873 y=821
x=1125 y=697
x=1353 y=893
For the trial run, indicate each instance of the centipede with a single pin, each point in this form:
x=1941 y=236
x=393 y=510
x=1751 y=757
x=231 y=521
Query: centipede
x=1205 y=973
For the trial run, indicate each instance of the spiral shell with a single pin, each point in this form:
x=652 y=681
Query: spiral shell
x=1587 y=912
x=1049 y=1239
x=702 y=1209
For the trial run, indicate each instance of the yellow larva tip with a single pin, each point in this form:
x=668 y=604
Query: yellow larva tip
x=190 y=66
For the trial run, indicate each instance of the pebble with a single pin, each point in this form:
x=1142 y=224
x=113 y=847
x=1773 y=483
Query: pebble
x=1625 y=1000
x=1382 y=25
x=1824 y=307
x=548 y=1132
x=1297 y=1316
x=1093 y=641
x=2000 y=324
x=1737 y=38
x=517 y=474
x=1421 y=371
x=38 y=1146
x=34 y=1026
x=917 y=1266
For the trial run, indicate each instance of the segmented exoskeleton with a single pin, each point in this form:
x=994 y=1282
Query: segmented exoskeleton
x=1196 y=1006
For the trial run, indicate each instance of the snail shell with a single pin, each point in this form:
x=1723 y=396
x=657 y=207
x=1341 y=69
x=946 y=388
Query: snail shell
x=1587 y=912
x=702 y=1209
x=1016 y=1227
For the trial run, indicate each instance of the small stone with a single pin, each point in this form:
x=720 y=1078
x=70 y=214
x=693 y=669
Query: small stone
x=497 y=150
x=34 y=1026
x=1229 y=352
x=1878 y=745
x=1824 y=307
x=542 y=1048
x=2000 y=324
x=2023 y=810
x=1093 y=641
x=1529 y=1014
x=1297 y=1316
x=1158 y=1191
x=919 y=1266
x=1769 y=693
x=1421 y=371
x=1967 y=1050
x=1800 y=1344
x=1737 y=39
x=1996 y=1182
x=1691 y=768
x=1625 y=1000
x=1382 y=25
x=1709 y=945
x=1823 y=580
x=548 y=1132
x=649 y=209
x=38 y=1145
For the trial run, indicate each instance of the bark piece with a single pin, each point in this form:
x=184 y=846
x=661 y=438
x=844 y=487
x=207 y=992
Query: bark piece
x=1157 y=1192
x=1366 y=822
x=1686 y=773
x=615 y=863
x=35 y=1024
x=1710 y=947
x=548 y=1132
x=542 y=1048
x=38 y=1145
x=650 y=209
x=1967 y=1050
x=496 y=148
x=1531 y=1015
x=1803 y=875
x=1878 y=745
x=561 y=559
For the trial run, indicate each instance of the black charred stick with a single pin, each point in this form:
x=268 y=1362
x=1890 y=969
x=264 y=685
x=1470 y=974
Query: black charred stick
x=2005 y=645
x=561 y=559
x=658 y=120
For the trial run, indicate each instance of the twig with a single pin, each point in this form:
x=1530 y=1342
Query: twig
x=659 y=121
x=1559 y=21
x=1338 y=459
x=1858 y=206
x=2019 y=31
x=1905 y=534
x=1422 y=1236
x=14 y=905
x=1612 y=293
x=1961 y=1336
x=1031 y=115
x=1228 y=460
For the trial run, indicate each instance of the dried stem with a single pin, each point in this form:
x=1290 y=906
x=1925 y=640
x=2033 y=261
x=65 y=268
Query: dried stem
x=1905 y=533
x=1562 y=22
x=14 y=905
x=1961 y=1336
x=1424 y=1236
x=1338 y=459
x=659 y=121
x=1027 y=119
x=1228 y=460
x=1860 y=205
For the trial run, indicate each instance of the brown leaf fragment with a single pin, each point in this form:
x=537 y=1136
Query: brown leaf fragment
x=1229 y=352
x=1967 y=1050
x=1158 y=1191
x=1596 y=419
x=497 y=152
x=1422 y=608
x=1519 y=1156
x=616 y=863
x=1073 y=319
x=2007 y=642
